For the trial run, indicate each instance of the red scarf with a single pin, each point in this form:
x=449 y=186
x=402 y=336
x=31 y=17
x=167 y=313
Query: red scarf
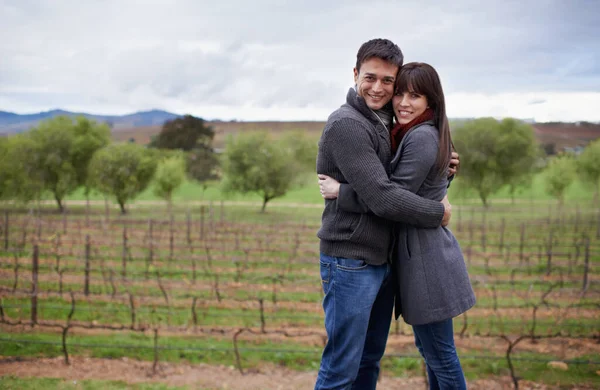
x=400 y=130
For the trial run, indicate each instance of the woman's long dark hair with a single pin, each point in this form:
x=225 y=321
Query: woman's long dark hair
x=422 y=79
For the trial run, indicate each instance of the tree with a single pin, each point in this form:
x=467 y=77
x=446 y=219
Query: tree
x=89 y=137
x=588 y=165
x=255 y=162
x=62 y=151
x=303 y=149
x=549 y=148
x=170 y=174
x=559 y=175
x=6 y=169
x=25 y=178
x=476 y=143
x=494 y=154
x=184 y=133
x=517 y=154
x=122 y=170
x=191 y=135
x=52 y=157
x=19 y=177
x=202 y=165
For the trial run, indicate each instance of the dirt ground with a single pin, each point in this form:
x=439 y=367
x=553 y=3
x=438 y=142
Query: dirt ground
x=206 y=376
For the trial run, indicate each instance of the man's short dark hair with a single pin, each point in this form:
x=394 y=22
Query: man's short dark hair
x=379 y=48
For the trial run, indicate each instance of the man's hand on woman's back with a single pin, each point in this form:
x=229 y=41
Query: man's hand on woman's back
x=454 y=163
x=447 y=211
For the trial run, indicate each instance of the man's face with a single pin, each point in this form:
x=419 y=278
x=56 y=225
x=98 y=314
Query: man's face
x=375 y=82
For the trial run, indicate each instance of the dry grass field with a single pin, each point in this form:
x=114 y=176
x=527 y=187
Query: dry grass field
x=142 y=135
x=561 y=134
x=566 y=134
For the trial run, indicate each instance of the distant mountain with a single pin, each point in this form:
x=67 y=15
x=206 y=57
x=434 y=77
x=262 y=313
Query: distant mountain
x=16 y=123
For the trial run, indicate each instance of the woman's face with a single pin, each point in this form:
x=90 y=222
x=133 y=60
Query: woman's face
x=408 y=106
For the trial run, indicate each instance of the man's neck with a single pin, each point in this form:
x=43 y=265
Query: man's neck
x=385 y=116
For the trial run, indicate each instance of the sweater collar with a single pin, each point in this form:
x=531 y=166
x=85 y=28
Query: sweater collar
x=383 y=116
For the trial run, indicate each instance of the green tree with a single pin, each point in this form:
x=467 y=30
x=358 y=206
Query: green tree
x=476 y=143
x=6 y=170
x=52 y=157
x=202 y=165
x=559 y=174
x=588 y=165
x=256 y=163
x=302 y=148
x=89 y=137
x=63 y=147
x=11 y=171
x=549 y=148
x=185 y=133
x=494 y=154
x=122 y=170
x=170 y=174
x=192 y=135
x=517 y=154
x=21 y=179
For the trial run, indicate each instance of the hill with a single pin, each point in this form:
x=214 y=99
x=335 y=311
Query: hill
x=140 y=126
x=16 y=123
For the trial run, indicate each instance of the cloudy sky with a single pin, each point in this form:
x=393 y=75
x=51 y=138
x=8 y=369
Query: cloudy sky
x=284 y=60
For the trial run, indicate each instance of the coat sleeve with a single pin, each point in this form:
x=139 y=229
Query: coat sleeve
x=353 y=151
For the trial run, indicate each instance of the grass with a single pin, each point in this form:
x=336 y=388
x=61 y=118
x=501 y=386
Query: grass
x=118 y=313
x=308 y=194
x=531 y=366
x=101 y=312
x=577 y=191
x=191 y=349
x=283 y=224
x=11 y=382
x=193 y=192
x=528 y=369
x=534 y=367
x=255 y=283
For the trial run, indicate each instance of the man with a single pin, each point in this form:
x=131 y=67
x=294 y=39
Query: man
x=355 y=248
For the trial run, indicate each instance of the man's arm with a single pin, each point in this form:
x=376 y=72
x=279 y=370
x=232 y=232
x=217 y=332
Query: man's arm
x=349 y=200
x=333 y=189
x=419 y=155
x=354 y=154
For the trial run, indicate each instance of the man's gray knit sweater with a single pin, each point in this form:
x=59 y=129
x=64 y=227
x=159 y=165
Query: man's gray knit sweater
x=355 y=149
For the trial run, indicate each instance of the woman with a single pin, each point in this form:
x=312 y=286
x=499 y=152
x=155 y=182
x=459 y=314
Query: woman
x=433 y=284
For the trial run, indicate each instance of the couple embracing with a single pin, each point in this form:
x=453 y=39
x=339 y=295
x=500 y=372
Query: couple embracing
x=385 y=161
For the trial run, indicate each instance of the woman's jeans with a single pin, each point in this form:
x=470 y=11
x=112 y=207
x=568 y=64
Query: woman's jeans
x=358 y=304
x=435 y=342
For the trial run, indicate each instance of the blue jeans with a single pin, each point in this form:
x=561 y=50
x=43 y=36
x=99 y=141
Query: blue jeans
x=435 y=342
x=358 y=304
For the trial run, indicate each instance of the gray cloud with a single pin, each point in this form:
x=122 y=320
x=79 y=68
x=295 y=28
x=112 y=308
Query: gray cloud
x=132 y=54
x=537 y=101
